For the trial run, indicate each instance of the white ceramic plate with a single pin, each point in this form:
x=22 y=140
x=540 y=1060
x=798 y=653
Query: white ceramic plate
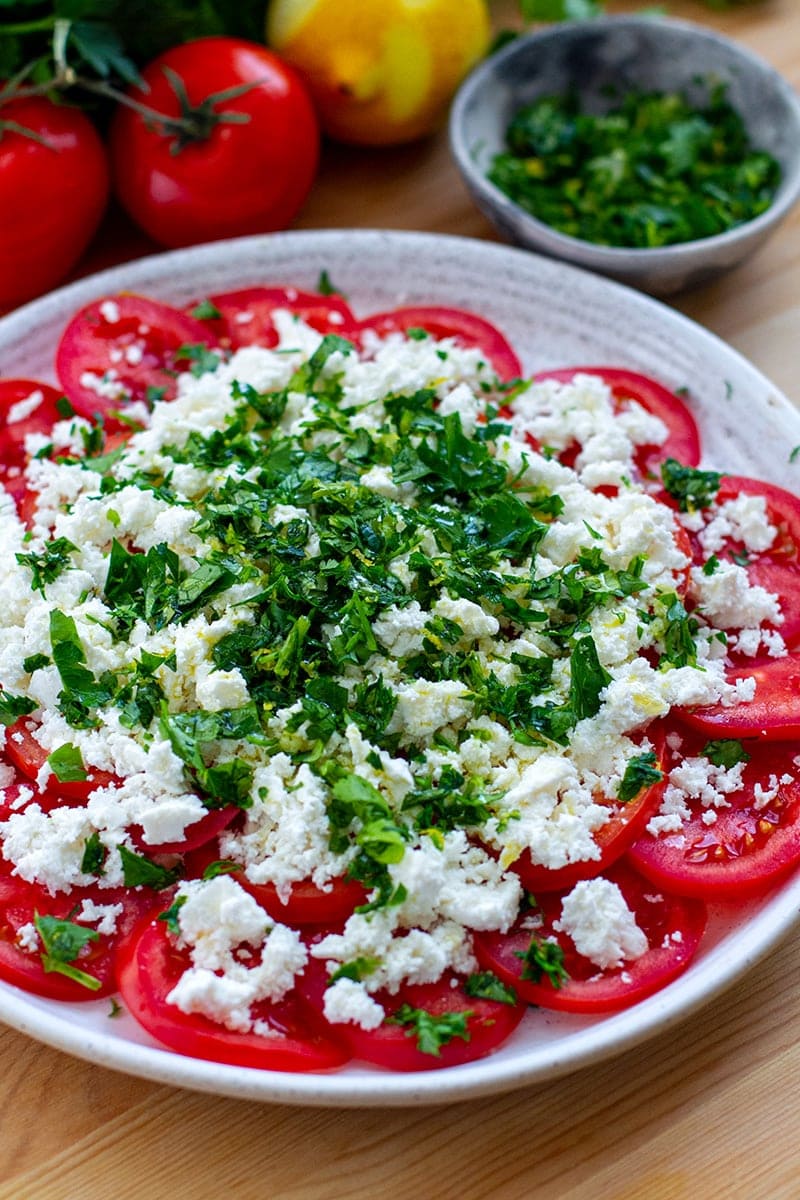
x=554 y=315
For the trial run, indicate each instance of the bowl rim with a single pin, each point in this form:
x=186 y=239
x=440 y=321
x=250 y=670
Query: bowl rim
x=620 y=258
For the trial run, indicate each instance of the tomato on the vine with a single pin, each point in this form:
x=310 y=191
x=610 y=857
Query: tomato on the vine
x=236 y=152
x=53 y=190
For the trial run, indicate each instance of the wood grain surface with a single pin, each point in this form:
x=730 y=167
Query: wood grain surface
x=708 y=1111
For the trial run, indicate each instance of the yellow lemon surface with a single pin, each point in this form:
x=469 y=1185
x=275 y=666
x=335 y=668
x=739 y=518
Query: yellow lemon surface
x=381 y=71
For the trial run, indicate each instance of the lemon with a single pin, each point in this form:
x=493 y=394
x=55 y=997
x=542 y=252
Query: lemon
x=381 y=71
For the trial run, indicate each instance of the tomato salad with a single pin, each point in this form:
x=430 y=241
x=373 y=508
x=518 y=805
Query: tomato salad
x=359 y=693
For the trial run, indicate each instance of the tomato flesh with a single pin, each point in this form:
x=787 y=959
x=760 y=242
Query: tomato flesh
x=246 y=316
x=117 y=348
x=750 y=844
x=673 y=926
x=29 y=757
x=468 y=329
x=20 y=901
x=150 y=967
x=683 y=439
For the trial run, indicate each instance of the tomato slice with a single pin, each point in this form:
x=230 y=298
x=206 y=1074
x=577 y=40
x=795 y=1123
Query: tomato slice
x=749 y=845
x=467 y=328
x=26 y=407
x=117 y=348
x=489 y=1023
x=246 y=315
x=25 y=753
x=149 y=968
x=306 y=904
x=778 y=568
x=613 y=839
x=683 y=439
x=773 y=714
x=673 y=926
x=20 y=901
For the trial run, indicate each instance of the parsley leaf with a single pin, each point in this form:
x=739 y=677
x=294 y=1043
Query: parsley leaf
x=725 y=752
x=484 y=985
x=47 y=566
x=140 y=871
x=431 y=1031
x=66 y=764
x=640 y=772
x=13 y=707
x=543 y=960
x=63 y=942
x=691 y=487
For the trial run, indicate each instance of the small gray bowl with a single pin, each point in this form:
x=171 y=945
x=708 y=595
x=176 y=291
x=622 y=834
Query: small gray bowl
x=626 y=53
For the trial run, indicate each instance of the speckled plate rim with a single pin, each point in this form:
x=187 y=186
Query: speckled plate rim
x=554 y=314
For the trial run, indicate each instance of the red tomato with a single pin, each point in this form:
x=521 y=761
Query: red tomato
x=467 y=328
x=778 y=568
x=224 y=177
x=40 y=418
x=149 y=968
x=53 y=190
x=489 y=1023
x=131 y=341
x=683 y=440
x=773 y=714
x=246 y=316
x=196 y=835
x=19 y=901
x=613 y=839
x=28 y=756
x=590 y=988
x=747 y=847
x=306 y=905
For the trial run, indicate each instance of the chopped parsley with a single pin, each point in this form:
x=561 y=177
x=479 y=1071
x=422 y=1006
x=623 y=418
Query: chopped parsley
x=653 y=169
x=63 y=943
x=640 y=772
x=432 y=1032
x=543 y=960
x=726 y=752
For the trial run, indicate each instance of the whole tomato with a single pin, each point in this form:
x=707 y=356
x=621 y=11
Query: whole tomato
x=53 y=190
x=236 y=154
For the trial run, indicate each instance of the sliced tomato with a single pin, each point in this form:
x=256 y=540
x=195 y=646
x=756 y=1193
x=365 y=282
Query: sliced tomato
x=197 y=835
x=116 y=349
x=748 y=846
x=683 y=439
x=246 y=316
x=306 y=904
x=773 y=714
x=150 y=967
x=467 y=328
x=625 y=825
x=26 y=407
x=672 y=924
x=488 y=1023
x=778 y=568
x=28 y=756
x=21 y=901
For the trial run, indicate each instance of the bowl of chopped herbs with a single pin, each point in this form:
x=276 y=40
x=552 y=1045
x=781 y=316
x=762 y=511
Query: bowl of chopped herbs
x=654 y=151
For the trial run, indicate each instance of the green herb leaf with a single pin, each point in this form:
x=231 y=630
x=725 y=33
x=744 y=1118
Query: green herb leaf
x=63 y=942
x=691 y=487
x=170 y=915
x=486 y=986
x=13 y=707
x=140 y=871
x=66 y=764
x=725 y=752
x=543 y=960
x=94 y=856
x=641 y=772
x=432 y=1032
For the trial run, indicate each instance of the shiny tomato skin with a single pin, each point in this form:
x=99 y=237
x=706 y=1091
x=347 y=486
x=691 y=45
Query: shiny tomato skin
x=41 y=419
x=140 y=346
x=246 y=315
x=772 y=715
x=776 y=569
x=747 y=848
x=394 y=1046
x=613 y=839
x=305 y=905
x=53 y=190
x=589 y=988
x=683 y=439
x=245 y=177
x=149 y=966
x=467 y=328
x=19 y=901
x=28 y=756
